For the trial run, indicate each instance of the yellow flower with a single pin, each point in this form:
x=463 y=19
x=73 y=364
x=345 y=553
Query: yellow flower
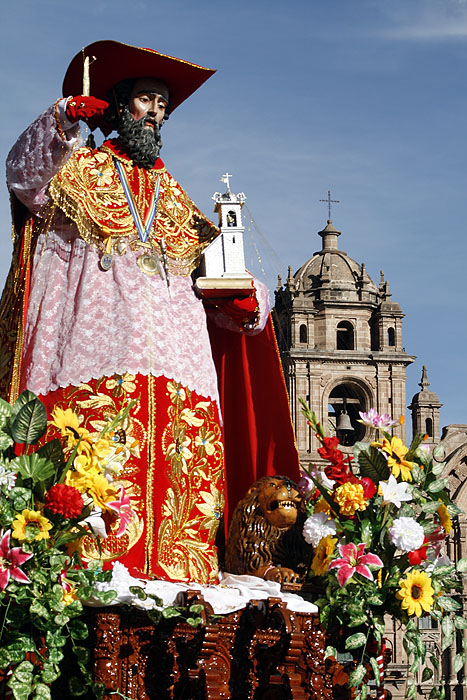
x=396 y=451
x=69 y=594
x=445 y=519
x=69 y=425
x=31 y=525
x=322 y=506
x=416 y=593
x=350 y=498
x=101 y=491
x=323 y=555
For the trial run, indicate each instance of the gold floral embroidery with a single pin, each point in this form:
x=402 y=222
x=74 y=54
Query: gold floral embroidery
x=194 y=503
x=88 y=190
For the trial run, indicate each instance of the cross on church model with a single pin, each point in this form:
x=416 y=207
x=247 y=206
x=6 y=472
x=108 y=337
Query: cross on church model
x=223 y=263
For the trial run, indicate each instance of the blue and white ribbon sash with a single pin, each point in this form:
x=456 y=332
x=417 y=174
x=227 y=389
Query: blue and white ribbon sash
x=143 y=227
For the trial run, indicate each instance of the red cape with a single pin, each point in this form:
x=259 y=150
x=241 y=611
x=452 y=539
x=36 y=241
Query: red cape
x=259 y=438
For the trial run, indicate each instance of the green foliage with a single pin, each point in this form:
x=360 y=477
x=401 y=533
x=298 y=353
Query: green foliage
x=357 y=605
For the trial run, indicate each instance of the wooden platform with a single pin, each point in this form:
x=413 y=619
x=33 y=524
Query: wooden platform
x=264 y=652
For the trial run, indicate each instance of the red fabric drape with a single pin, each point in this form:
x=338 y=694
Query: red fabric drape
x=258 y=433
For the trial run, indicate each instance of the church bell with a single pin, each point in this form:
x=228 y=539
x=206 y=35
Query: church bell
x=343 y=422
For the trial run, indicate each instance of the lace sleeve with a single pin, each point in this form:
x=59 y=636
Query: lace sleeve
x=38 y=155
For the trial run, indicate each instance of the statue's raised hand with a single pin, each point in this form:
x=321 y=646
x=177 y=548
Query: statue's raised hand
x=86 y=108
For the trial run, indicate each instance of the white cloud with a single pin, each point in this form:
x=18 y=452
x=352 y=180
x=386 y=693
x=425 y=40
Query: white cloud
x=426 y=20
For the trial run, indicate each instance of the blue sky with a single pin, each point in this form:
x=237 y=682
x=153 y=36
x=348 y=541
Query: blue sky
x=366 y=98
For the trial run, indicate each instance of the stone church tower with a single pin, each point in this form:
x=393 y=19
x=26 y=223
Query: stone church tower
x=340 y=339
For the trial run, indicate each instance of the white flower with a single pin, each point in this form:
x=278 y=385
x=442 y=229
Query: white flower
x=96 y=522
x=322 y=479
x=318 y=526
x=394 y=492
x=7 y=477
x=406 y=534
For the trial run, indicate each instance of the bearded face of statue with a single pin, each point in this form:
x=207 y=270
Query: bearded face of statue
x=140 y=120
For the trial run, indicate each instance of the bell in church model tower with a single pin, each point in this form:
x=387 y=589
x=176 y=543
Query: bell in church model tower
x=340 y=340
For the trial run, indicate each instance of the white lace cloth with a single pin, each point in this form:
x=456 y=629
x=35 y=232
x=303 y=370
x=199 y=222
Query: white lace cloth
x=83 y=322
x=230 y=594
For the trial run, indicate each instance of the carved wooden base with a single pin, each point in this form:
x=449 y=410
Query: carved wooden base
x=264 y=652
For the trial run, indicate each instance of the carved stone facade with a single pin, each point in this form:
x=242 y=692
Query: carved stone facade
x=340 y=338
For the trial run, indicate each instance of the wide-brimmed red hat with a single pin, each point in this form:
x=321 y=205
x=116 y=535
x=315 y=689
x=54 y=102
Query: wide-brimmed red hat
x=114 y=61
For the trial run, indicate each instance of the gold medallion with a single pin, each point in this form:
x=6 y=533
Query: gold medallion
x=148 y=264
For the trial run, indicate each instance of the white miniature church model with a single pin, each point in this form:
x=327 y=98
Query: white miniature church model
x=223 y=263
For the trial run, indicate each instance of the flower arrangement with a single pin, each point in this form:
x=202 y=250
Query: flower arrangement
x=377 y=521
x=51 y=496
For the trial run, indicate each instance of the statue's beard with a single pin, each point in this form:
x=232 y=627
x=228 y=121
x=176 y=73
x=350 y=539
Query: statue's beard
x=142 y=144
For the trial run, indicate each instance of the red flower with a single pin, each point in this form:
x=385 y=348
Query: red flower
x=64 y=500
x=329 y=449
x=369 y=489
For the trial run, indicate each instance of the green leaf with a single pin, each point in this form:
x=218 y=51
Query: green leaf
x=427 y=674
x=366 y=530
x=42 y=692
x=355 y=641
x=434 y=662
x=196 y=608
x=78 y=629
x=30 y=423
x=194 y=621
x=82 y=654
x=376 y=670
x=373 y=465
x=443 y=571
x=139 y=592
x=49 y=673
x=459 y=661
x=23 y=672
x=448 y=604
x=411 y=691
x=21 y=691
x=76 y=686
x=357 y=676
x=330 y=651
x=104 y=597
x=52 y=451
x=171 y=612
x=375 y=599
x=5 y=412
x=37 y=608
x=20 y=497
x=447 y=627
x=438 y=468
x=460 y=623
x=5 y=441
x=437 y=485
x=34 y=467
x=461 y=566
x=418 y=474
x=430 y=506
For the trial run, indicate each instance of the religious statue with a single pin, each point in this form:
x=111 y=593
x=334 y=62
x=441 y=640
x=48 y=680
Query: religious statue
x=99 y=310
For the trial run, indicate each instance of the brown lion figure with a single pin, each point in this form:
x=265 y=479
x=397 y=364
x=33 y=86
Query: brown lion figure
x=265 y=536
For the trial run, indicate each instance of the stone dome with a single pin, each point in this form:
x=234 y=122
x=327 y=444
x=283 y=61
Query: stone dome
x=332 y=274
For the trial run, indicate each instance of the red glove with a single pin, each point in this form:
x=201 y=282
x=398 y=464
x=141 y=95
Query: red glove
x=242 y=311
x=82 y=107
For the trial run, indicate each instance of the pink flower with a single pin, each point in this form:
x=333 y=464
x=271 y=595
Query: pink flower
x=124 y=510
x=10 y=561
x=354 y=561
x=374 y=420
